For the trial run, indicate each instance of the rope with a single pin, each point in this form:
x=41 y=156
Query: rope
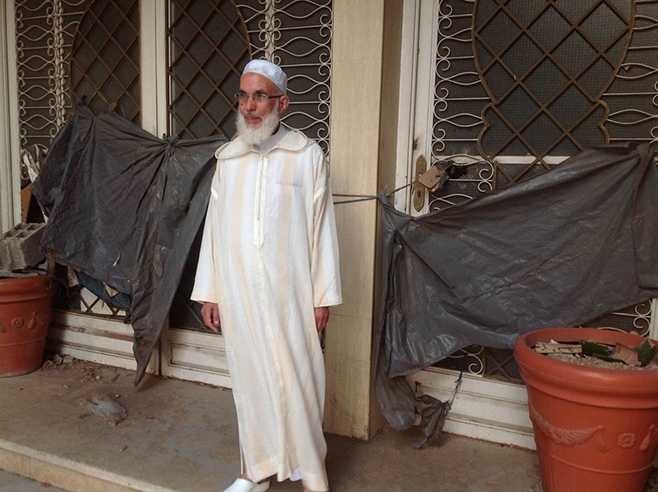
x=356 y=200
x=374 y=197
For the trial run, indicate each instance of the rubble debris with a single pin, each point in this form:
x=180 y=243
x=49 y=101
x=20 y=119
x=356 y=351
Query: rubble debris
x=58 y=360
x=29 y=165
x=587 y=352
x=20 y=247
x=558 y=348
x=591 y=361
x=105 y=407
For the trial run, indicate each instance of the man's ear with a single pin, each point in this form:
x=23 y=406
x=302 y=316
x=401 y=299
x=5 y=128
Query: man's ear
x=284 y=102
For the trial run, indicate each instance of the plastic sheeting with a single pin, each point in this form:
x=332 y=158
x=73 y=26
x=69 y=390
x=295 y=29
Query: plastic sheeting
x=124 y=207
x=560 y=249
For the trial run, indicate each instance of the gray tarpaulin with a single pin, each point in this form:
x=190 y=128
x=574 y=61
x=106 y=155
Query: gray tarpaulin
x=560 y=249
x=124 y=207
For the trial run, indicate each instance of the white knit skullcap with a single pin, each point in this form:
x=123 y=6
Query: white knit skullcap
x=270 y=71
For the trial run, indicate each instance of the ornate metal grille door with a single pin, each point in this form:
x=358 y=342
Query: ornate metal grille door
x=517 y=86
x=44 y=41
x=544 y=67
x=105 y=59
x=297 y=35
x=208 y=46
x=70 y=49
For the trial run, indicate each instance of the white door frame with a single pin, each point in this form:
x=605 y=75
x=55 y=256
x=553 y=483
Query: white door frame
x=184 y=354
x=484 y=409
x=407 y=101
x=153 y=50
x=10 y=176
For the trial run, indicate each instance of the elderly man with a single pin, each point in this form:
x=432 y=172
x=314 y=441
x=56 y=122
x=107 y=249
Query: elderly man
x=268 y=271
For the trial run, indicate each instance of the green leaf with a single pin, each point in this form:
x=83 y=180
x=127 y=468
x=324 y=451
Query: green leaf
x=593 y=348
x=646 y=352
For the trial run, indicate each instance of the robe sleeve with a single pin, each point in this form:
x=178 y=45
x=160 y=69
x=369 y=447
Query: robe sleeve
x=325 y=267
x=205 y=281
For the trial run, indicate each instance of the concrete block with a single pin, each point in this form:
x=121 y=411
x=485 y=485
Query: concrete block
x=23 y=246
x=5 y=259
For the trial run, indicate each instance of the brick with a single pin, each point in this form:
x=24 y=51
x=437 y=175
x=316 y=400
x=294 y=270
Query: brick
x=5 y=259
x=23 y=246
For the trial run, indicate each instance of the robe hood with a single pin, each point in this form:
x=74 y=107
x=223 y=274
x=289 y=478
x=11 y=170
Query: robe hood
x=293 y=141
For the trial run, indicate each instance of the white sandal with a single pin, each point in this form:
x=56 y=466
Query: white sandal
x=242 y=485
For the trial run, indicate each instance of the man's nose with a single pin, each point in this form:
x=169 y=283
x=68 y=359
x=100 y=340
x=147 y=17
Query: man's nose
x=250 y=104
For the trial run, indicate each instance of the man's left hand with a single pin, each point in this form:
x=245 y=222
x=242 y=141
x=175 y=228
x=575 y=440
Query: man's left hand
x=321 y=317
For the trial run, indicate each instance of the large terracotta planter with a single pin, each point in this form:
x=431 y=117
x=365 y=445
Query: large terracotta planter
x=25 y=313
x=595 y=429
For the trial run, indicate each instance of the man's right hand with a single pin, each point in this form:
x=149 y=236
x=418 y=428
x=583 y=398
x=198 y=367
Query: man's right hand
x=210 y=313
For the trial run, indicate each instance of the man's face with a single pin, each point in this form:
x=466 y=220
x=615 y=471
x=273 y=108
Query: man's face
x=253 y=113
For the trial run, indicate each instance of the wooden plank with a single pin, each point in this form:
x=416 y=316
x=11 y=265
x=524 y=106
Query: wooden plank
x=558 y=348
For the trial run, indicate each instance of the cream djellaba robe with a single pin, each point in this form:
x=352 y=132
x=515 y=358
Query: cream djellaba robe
x=269 y=255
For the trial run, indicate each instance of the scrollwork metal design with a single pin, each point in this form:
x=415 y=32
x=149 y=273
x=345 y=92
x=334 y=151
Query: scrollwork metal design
x=459 y=99
x=297 y=35
x=44 y=34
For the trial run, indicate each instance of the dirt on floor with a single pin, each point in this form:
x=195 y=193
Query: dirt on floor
x=175 y=429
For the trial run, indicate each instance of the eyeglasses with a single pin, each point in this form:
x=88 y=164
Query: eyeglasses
x=258 y=97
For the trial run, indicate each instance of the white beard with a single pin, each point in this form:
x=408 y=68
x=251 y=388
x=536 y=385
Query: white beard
x=255 y=136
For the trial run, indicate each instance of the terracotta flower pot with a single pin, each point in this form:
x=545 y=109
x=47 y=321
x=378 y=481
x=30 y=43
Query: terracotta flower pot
x=25 y=313
x=595 y=428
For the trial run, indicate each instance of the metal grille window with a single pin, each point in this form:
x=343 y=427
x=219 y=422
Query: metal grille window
x=297 y=35
x=44 y=40
x=67 y=49
x=208 y=48
x=520 y=85
x=105 y=59
x=211 y=42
